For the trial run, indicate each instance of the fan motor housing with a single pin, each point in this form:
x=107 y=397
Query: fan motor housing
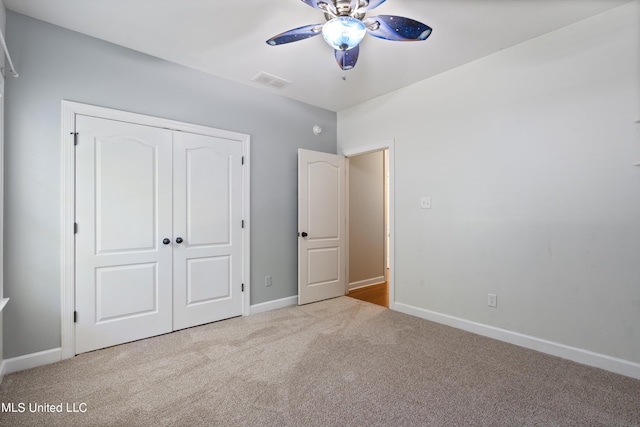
x=343 y=7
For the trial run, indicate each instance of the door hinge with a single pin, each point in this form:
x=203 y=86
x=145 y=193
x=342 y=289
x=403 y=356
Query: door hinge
x=75 y=228
x=243 y=160
x=75 y=138
x=243 y=287
x=243 y=223
x=75 y=317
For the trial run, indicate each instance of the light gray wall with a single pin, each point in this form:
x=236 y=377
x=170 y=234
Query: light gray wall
x=528 y=156
x=366 y=219
x=57 y=64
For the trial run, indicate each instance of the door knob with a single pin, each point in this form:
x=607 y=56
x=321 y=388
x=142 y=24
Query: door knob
x=304 y=234
x=166 y=241
x=179 y=240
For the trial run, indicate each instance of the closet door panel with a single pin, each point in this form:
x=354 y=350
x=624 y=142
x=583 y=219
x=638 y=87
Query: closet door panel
x=123 y=212
x=208 y=205
x=208 y=221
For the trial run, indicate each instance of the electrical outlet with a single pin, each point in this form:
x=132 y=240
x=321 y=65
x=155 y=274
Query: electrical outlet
x=425 y=203
x=267 y=280
x=492 y=300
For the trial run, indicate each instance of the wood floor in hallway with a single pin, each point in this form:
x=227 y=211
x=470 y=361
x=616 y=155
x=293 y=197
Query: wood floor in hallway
x=376 y=294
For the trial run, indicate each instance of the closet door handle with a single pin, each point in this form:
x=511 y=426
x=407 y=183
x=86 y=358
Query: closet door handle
x=166 y=241
x=179 y=240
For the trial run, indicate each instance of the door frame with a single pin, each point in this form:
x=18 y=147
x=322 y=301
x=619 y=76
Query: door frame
x=67 y=216
x=366 y=149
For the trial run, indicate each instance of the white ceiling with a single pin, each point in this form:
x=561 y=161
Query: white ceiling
x=227 y=38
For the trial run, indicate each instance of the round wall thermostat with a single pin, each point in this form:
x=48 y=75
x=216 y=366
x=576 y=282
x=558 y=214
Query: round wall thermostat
x=317 y=130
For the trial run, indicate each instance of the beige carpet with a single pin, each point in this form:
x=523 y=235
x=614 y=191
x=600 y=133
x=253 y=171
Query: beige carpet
x=341 y=362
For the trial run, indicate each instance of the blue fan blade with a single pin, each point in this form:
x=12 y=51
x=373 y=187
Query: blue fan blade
x=323 y=5
x=296 y=34
x=371 y=4
x=347 y=58
x=397 y=28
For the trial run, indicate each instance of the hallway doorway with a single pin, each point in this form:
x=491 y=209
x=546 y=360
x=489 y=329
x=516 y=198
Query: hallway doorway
x=369 y=225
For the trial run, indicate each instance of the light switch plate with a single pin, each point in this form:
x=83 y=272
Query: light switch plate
x=492 y=300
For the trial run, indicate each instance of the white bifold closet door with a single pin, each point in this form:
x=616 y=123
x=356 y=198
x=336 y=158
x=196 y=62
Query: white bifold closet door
x=158 y=243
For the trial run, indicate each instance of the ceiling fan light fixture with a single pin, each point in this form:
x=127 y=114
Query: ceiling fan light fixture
x=344 y=32
x=346 y=26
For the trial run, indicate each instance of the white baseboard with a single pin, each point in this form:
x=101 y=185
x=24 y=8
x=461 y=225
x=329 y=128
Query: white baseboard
x=46 y=357
x=585 y=357
x=367 y=282
x=33 y=360
x=273 y=305
x=3 y=370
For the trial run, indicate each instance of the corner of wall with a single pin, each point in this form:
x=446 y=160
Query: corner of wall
x=3 y=20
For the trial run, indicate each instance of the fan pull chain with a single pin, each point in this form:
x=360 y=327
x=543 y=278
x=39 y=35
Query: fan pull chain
x=344 y=58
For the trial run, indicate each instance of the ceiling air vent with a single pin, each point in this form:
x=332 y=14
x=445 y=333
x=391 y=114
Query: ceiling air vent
x=271 y=80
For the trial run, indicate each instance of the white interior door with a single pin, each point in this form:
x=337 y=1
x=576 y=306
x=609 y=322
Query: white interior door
x=321 y=226
x=123 y=213
x=207 y=256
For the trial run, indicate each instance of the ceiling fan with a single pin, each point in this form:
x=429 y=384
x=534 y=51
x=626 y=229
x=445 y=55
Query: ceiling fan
x=346 y=26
